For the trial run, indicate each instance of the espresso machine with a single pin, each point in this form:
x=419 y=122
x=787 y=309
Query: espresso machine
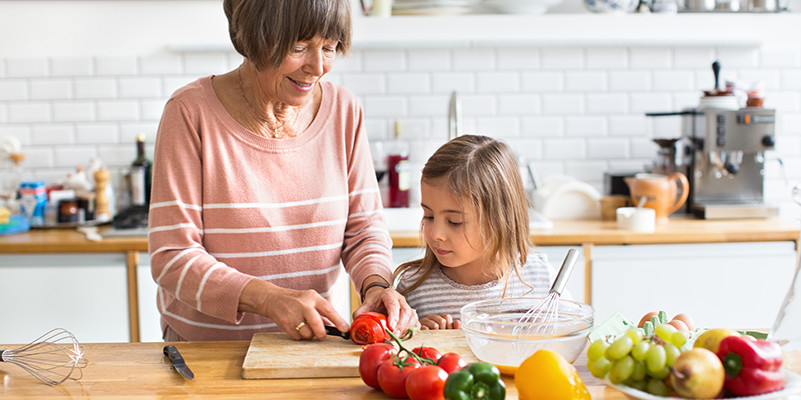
x=724 y=157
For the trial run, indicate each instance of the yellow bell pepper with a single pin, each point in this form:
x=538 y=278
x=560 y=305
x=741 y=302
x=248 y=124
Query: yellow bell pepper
x=546 y=375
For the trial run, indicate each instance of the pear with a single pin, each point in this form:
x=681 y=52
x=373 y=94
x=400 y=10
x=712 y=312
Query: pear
x=710 y=339
x=697 y=374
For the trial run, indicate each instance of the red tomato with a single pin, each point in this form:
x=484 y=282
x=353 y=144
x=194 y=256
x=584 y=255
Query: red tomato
x=371 y=358
x=428 y=352
x=392 y=379
x=426 y=383
x=368 y=328
x=451 y=362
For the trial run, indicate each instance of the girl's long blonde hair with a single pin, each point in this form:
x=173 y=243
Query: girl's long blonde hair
x=481 y=171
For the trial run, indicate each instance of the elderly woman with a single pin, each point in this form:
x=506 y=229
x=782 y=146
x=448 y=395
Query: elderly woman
x=263 y=187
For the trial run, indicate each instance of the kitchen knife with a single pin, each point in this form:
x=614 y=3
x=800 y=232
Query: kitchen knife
x=178 y=362
x=333 y=331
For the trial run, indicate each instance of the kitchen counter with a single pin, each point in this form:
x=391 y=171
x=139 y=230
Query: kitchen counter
x=140 y=371
x=677 y=229
x=584 y=233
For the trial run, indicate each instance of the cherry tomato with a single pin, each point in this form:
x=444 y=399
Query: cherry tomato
x=392 y=378
x=371 y=358
x=426 y=383
x=368 y=328
x=428 y=352
x=451 y=362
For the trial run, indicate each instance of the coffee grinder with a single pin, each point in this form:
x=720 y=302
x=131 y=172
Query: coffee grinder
x=726 y=160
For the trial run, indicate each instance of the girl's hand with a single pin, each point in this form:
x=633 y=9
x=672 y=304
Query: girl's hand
x=439 y=321
x=400 y=316
x=289 y=307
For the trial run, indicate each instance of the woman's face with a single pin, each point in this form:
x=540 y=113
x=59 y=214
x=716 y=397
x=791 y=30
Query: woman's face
x=452 y=233
x=294 y=80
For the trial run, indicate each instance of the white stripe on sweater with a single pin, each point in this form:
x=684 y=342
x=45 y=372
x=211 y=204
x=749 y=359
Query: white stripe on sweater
x=203 y=284
x=276 y=228
x=277 y=252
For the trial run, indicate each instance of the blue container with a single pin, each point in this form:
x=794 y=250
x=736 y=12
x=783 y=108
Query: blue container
x=33 y=198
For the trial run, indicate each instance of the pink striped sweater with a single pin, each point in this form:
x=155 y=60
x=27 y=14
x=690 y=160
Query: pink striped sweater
x=228 y=205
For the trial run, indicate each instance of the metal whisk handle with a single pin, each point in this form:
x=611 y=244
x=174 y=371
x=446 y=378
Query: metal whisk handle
x=564 y=271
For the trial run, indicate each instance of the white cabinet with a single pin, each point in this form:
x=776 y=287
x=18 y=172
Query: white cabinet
x=85 y=294
x=733 y=285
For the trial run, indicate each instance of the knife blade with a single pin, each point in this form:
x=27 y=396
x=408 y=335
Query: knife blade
x=333 y=331
x=178 y=362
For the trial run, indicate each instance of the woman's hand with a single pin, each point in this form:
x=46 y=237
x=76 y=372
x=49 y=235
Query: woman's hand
x=439 y=321
x=400 y=316
x=289 y=308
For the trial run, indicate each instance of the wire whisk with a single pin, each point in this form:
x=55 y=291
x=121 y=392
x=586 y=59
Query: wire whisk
x=52 y=358
x=539 y=320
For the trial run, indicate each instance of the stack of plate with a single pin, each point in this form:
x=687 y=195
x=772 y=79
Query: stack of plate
x=431 y=7
x=521 y=6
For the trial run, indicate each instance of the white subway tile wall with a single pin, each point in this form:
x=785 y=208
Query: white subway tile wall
x=578 y=111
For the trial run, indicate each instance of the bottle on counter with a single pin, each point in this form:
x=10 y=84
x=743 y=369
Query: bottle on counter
x=140 y=175
x=398 y=170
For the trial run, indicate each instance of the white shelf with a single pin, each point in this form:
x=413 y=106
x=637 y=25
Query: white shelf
x=741 y=30
x=599 y=30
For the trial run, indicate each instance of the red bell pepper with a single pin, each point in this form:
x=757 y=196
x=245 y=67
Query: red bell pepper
x=752 y=366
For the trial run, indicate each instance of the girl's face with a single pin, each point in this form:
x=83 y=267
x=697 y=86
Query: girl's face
x=294 y=80
x=453 y=234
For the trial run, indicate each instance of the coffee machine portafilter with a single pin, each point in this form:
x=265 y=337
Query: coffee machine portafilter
x=726 y=160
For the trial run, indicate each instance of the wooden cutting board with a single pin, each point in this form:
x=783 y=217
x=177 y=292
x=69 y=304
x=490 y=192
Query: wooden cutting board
x=275 y=355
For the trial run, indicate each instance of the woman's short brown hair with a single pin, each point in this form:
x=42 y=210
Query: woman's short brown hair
x=264 y=31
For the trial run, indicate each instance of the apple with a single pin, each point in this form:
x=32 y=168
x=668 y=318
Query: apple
x=697 y=374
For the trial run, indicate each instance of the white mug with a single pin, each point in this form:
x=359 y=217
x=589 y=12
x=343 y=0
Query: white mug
x=636 y=219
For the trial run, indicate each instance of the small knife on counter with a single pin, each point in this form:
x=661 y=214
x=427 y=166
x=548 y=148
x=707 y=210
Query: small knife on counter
x=333 y=331
x=178 y=362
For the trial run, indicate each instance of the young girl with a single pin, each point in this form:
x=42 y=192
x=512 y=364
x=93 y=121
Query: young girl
x=475 y=225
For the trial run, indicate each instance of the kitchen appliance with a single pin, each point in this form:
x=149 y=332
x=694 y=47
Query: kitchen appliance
x=726 y=160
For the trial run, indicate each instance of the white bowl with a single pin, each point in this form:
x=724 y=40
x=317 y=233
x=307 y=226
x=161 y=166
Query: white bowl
x=496 y=336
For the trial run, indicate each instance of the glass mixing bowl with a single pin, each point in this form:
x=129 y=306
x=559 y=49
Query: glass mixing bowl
x=495 y=334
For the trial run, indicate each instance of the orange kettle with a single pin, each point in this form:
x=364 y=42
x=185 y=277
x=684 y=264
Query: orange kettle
x=663 y=193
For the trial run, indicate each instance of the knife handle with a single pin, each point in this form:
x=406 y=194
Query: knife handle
x=171 y=352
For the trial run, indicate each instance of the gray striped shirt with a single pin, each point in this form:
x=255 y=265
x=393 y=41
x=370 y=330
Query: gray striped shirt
x=438 y=294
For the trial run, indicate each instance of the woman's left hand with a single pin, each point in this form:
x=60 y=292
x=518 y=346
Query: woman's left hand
x=400 y=316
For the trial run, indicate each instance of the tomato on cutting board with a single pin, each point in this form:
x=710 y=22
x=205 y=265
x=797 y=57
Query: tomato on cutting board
x=451 y=362
x=368 y=328
x=371 y=358
x=426 y=383
x=392 y=375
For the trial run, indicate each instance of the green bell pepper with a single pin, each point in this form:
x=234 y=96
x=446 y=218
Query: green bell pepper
x=476 y=381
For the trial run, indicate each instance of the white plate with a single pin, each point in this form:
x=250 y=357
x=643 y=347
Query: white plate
x=792 y=386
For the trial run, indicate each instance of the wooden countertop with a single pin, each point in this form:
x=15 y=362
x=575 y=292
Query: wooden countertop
x=140 y=371
x=678 y=229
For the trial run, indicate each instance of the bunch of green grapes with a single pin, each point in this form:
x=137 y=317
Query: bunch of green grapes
x=638 y=360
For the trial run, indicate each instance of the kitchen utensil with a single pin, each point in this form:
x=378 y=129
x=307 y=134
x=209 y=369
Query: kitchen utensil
x=489 y=326
x=333 y=331
x=276 y=355
x=538 y=320
x=665 y=193
x=52 y=358
x=178 y=361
